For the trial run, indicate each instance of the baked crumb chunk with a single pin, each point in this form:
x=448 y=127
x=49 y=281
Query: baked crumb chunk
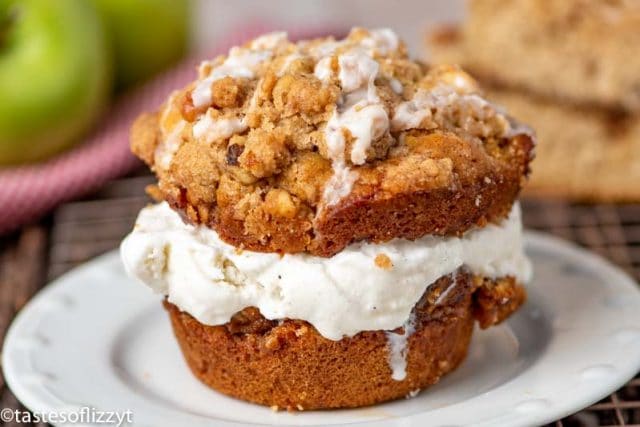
x=383 y=261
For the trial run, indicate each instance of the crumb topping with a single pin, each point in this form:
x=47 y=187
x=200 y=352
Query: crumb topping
x=278 y=130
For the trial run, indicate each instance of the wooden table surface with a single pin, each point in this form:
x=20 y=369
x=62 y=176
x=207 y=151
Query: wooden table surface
x=80 y=230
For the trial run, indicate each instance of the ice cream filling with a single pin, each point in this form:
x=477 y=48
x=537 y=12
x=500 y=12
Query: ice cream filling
x=340 y=296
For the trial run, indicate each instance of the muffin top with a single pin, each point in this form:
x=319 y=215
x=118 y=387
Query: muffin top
x=309 y=146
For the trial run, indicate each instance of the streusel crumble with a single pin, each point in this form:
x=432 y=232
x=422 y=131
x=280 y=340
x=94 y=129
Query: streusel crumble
x=279 y=146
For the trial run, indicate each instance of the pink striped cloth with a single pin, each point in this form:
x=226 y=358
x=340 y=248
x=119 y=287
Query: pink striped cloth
x=29 y=192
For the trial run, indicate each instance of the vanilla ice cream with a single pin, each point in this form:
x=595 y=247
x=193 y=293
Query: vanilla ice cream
x=340 y=296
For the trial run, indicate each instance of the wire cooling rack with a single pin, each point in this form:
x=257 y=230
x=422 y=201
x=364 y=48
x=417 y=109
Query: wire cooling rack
x=80 y=230
x=612 y=231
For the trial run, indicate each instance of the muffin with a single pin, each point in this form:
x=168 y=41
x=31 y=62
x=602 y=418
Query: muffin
x=332 y=219
x=524 y=44
x=576 y=144
x=588 y=116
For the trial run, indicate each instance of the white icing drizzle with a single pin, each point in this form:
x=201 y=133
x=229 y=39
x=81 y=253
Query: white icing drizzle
x=443 y=295
x=398 y=349
x=168 y=109
x=287 y=63
x=340 y=183
x=270 y=41
x=324 y=49
x=365 y=120
x=241 y=62
x=412 y=393
x=323 y=70
x=212 y=130
x=171 y=138
x=357 y=70
x=168 y=146
x=360 y=112
x=410 y=114
x=444 y=106
x=382 y=40
x=396 y=86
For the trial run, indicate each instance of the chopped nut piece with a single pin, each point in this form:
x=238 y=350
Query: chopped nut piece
x=279 y=203
x=383 y=261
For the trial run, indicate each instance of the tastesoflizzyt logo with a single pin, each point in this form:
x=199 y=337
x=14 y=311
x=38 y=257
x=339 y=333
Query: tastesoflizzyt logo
x=83 y=415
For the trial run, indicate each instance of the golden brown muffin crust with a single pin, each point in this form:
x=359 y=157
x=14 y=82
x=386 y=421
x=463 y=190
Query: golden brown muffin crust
x=289 y=365
x=279 y=157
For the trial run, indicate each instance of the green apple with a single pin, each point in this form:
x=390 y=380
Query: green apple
x=146 y=35
x=55 y=76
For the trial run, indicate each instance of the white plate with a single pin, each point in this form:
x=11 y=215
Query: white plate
x=93 y=338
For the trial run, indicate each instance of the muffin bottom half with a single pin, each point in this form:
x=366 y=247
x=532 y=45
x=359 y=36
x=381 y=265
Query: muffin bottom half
x=287 y=364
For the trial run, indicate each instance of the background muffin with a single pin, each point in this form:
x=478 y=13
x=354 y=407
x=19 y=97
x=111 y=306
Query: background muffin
x=564 y=67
